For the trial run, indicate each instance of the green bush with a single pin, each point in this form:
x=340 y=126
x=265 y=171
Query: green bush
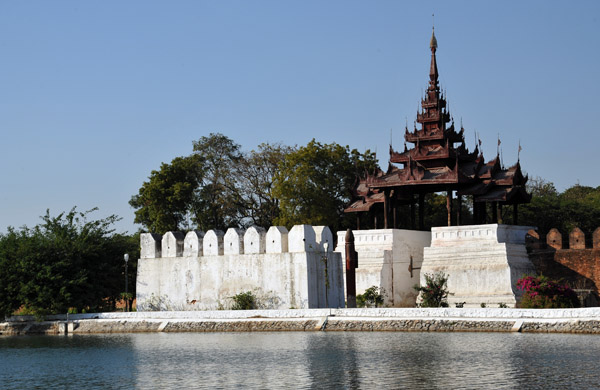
x=435 y=292
x=372 y=297
x=244 y=301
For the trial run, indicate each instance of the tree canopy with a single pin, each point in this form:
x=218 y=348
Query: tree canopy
x=314 y=183
x=577 y=206
x=164 y=202
x=65 y=262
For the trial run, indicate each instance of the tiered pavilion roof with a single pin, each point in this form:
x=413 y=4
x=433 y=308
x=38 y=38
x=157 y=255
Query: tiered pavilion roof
x=439 y=161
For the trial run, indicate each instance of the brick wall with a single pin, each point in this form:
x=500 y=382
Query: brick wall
x=577 y=264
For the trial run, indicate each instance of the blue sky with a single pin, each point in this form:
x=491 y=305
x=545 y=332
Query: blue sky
x=95 y=95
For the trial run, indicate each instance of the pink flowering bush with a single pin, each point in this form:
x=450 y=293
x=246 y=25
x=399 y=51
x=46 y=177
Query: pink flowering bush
x=435 y=292
x=539 y=292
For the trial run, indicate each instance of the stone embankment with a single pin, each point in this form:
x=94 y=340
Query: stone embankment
x=584 y=320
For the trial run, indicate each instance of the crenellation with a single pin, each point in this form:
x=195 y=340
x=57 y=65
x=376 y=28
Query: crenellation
x=596 y=238
x=554 y=239
x=323 y=238
x=255 y=240
x=150 y=245
x=276 y=240
x=233 y=242
x=576 y=239
x=192 y=243
x=302 y=238
x=172 y=244
x=202 y=271
x=213 y=243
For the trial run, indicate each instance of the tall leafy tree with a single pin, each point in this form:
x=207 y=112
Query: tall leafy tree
x=256 y=175
x=314 y=182
x=164 y=202
x=217 y=202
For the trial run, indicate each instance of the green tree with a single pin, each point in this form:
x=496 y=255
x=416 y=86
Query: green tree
x=65 y=262
x=314 y=182
x=578 y=206
x=164 y=202
x=256 y=175
x=217 y=203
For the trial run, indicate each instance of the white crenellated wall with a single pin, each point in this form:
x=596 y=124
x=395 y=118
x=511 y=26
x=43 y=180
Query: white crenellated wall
x=202 y=271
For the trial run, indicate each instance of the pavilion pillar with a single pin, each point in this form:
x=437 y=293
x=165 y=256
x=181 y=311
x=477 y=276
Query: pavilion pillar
x=516 y=214
x=421 y=211
x=394 y=215
x=458 y=210
x=449 y=206
x=499 y=211
x=494 y=212
x=484 y=213
x=475 y=211
x=357 y=221
x=386 y=206
x=413 y=210
x=374 y=221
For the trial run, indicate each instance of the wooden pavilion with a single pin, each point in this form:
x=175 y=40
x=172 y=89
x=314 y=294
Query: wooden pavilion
x=437 y=162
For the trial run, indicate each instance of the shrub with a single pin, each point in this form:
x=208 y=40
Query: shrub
x=435 y=292
x=539 y=292
x=244 y=301
x=372 y=297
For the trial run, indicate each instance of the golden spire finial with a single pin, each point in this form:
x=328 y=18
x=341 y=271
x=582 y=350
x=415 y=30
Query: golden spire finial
x=433 y=42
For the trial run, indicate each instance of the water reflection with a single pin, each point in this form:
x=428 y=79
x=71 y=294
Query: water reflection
x=301 y=360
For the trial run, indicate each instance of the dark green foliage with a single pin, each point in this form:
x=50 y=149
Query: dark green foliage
x=65 y=262
x=578 y=206
x=435 y=292
x=314 y=182
x=164 y=201
x=244 y=301
x=217 y=203
x=256 y=175
x=539 y=292
x=372 y=297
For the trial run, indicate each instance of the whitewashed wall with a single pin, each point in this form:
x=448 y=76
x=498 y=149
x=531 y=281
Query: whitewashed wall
x=482 y=262
x=202 y=271
x=383 y=259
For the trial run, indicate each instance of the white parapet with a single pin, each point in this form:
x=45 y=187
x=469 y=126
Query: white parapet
x=324 y=238
x=482 y=262
x=302 y=238
x=150 y=246
x=384 y=256
x=192 y=244
x=213 y=243
x=255 y=240
x=172 y=244
x=233 y=242
x=277 y=240
x=213 y=267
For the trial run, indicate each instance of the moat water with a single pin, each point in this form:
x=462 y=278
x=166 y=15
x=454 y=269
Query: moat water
x=300 y=360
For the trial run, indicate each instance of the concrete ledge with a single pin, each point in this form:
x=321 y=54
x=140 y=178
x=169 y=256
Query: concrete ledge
x=587 y=312
x=584 y=320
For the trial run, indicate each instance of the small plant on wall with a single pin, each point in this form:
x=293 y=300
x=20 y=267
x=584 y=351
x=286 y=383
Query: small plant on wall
x=244 y=301
x=540 y=292
x=372 y=297
x=435 y=291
